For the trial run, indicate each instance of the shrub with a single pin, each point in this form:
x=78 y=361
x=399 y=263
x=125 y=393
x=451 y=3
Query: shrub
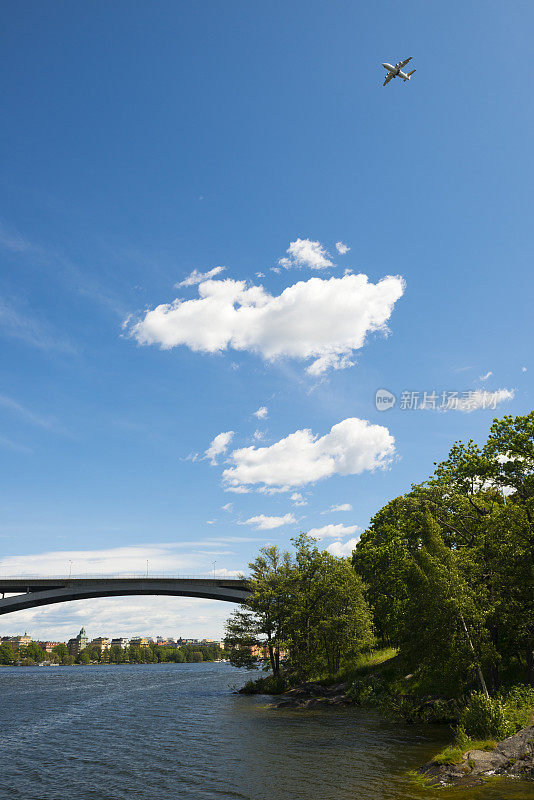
x=485 y=718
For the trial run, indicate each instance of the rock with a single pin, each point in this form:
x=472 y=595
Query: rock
x=512 y=757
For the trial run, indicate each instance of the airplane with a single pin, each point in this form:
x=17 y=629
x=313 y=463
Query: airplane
x=396 y=71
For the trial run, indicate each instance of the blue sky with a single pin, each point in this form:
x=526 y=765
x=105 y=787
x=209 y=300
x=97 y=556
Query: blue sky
x=141 y=142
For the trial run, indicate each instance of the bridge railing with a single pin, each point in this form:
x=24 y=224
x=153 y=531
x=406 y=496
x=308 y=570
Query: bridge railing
x=230 y=575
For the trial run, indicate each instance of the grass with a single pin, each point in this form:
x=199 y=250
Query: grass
x=365 y=663
x=454 y=753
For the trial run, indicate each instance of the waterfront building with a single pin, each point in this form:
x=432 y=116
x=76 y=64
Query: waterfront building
x=48 y=646
x=79 y=643
x=120 y=641
x=19 y=641
x=102 y=642
x=140 y=641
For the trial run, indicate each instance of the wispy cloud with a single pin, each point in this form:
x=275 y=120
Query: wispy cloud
x=342 y=248
x=198 y=277
x=262 y=522
x=32 y=331
x=339 y=507
x=48 y=423
x=219 y=445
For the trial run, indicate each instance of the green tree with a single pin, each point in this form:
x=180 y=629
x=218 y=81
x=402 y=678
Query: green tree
x=6 y=653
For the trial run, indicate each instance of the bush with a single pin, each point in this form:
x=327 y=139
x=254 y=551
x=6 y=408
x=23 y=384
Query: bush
x=485 y=718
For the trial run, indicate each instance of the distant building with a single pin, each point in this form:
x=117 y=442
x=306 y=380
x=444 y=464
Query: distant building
x=120 y=642
x=48 y=646
x=19 y=641
x=102 y=642
x=79 y=643
x=140 y=641
x=212 y=642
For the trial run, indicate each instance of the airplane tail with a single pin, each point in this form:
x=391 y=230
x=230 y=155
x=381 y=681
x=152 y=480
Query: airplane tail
x=408 y=75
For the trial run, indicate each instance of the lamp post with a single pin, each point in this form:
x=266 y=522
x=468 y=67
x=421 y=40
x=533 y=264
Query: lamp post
x=214 y=569
x=70 y=569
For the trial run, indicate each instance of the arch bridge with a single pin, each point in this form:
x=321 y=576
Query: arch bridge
x=33 y=592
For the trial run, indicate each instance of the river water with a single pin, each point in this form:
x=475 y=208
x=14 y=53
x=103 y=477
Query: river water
x=159 y=731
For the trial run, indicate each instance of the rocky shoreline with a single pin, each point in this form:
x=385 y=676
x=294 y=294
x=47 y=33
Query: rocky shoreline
x=314 y=695
x=512 y=758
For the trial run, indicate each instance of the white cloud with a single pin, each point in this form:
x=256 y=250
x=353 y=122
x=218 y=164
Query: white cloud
x=341 y=248
x=523 y=369
x=228 y=507
x=258 y=435
x=262 y=412
x=199 y=277
x=351 y=447
x=486 y=376
x=483 y=399
x=219 y=445
x=305 y=253
x=266 y=523
x=332 y=531
x=339 y=507
x=298 y=499
x=342 y=549
x=321 y=319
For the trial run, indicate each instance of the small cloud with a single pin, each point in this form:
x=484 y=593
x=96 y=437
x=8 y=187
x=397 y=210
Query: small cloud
x=341 y=248
x=486 y=376
x=262 y=522
x=199 y=277
x=305 y=253
x=228 y=507
x=211 y=521
x=257 y=435
x=523 y=369
x=348 y=271
x=298 y=499
x=340 y=507
x=342 y=549
x=332 y=531
x=237 y=489
x=218 y=446
x=262 y=412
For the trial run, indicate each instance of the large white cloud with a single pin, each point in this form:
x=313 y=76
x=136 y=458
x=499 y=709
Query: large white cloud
x=324 y=320
x=351 y=447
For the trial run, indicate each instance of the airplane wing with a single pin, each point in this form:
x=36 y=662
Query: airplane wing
x=389 y=76
x=403 y=63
